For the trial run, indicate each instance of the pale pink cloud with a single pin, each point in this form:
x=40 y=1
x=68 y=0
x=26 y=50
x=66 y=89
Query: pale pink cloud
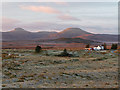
x=55 y=1
x=9 y=20
x=44 y=9
x=67 y=17
x=61 y=3
x=9 y=24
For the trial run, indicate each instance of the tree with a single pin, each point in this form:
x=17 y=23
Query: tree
x=114 y=46
x=87 y=46
x=64 y=53
x=105 y=46
x=38 y=49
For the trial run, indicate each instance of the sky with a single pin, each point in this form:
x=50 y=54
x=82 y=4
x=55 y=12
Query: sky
x=94 y=17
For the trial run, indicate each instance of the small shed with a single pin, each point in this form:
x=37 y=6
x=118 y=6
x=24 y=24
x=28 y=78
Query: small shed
x=88 y=48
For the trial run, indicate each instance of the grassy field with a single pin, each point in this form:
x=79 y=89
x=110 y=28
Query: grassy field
x=23 y=68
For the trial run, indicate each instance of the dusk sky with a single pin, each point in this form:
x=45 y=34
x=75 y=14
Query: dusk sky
x=93 y=17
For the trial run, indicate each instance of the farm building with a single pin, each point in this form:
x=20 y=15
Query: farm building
x=100 y=47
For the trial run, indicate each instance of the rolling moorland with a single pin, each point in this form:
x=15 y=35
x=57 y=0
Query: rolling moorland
x=23 y=68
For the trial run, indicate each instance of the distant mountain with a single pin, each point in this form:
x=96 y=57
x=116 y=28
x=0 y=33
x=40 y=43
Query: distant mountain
x=45 y=34
x=16 y=34
x=21 y=34
x=79 y=33
x=69 y=33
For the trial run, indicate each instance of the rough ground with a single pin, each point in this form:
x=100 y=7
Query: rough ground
x=44 y=70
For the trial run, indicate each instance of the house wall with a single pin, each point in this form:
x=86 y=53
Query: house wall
x=98 y=48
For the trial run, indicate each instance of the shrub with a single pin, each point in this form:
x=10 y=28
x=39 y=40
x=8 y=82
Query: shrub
x=65 y=53
x=38 y=49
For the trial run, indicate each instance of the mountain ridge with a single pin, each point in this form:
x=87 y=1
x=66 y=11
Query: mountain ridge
x=21 y=34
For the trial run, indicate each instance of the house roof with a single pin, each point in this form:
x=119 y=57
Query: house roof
x=98 y=45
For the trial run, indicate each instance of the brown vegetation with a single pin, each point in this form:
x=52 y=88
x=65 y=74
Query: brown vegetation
x=92 y=69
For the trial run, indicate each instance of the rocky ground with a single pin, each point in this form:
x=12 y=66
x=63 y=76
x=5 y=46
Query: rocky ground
x=91 y=69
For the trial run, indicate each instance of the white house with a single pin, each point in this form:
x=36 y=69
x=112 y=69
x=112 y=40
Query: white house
x=98 y=47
